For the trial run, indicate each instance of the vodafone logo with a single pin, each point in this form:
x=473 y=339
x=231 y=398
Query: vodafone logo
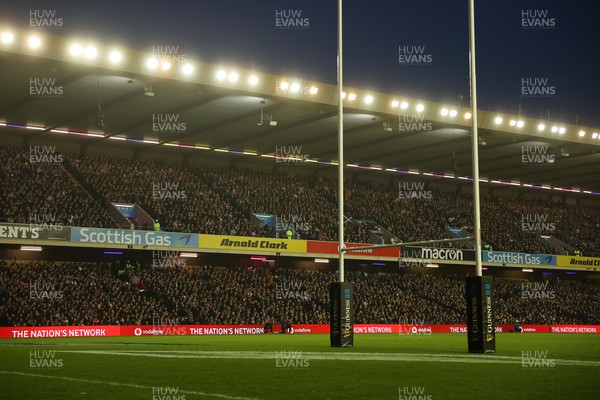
x=301 y=330
x=137 y=331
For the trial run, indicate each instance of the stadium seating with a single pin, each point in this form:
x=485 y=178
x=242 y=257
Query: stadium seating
x=222 y=201
x=100 y=294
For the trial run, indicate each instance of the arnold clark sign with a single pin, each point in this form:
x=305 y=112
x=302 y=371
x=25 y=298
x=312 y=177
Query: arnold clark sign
x=132 y=237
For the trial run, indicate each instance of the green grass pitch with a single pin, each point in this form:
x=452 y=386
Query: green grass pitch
x=405 y=367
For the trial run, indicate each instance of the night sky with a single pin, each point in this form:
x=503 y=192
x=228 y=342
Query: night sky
x=244 y=33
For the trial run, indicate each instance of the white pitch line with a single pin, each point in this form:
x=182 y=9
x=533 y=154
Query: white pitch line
x=131 y=385
x=456 y=358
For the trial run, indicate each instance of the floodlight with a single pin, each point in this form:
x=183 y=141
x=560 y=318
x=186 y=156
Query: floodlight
x=34 y=42
x=75 y=49
x=152 y=62
x=115 y=56
x=7 y=37
x=187 y=69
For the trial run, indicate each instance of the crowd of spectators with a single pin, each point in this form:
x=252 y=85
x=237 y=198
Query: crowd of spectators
x=48 y=293
x=173 y=195
x=222 y=201
x=38 y=190
x=307 y=205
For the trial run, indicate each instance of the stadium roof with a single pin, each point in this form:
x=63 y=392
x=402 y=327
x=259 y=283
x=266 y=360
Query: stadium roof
x=164 y=101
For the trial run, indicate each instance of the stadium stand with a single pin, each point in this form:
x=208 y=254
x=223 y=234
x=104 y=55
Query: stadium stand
x=32 y=190
x=221 y=201
x=101 y=294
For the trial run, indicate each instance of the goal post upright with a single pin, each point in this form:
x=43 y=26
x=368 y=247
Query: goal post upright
x=340 y=77
x=474 y=139
x=341 y=296
x=479 y=289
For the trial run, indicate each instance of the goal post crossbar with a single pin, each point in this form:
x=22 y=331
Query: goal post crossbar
x=423 y=242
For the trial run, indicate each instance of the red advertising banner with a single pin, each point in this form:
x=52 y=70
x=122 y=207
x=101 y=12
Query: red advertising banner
x=575 y=329
x=313 y=246
x=197 y=330
x=423 y=329
x=28 y=332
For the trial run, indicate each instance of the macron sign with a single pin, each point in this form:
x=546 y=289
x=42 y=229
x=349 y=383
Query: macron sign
x=129 y=237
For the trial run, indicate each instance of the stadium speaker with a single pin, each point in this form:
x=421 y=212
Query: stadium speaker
x=481 y=333
x=341 y=329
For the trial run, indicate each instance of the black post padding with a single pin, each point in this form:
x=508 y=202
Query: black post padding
x=481 y=334
x=341 y=296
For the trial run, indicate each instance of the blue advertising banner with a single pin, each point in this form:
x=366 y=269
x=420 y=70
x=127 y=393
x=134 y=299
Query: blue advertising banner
x=126 y=210
x=129 y=237
x=503 y=257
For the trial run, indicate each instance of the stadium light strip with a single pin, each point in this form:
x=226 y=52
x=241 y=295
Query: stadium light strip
x=255 y=154
x=31 y=248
